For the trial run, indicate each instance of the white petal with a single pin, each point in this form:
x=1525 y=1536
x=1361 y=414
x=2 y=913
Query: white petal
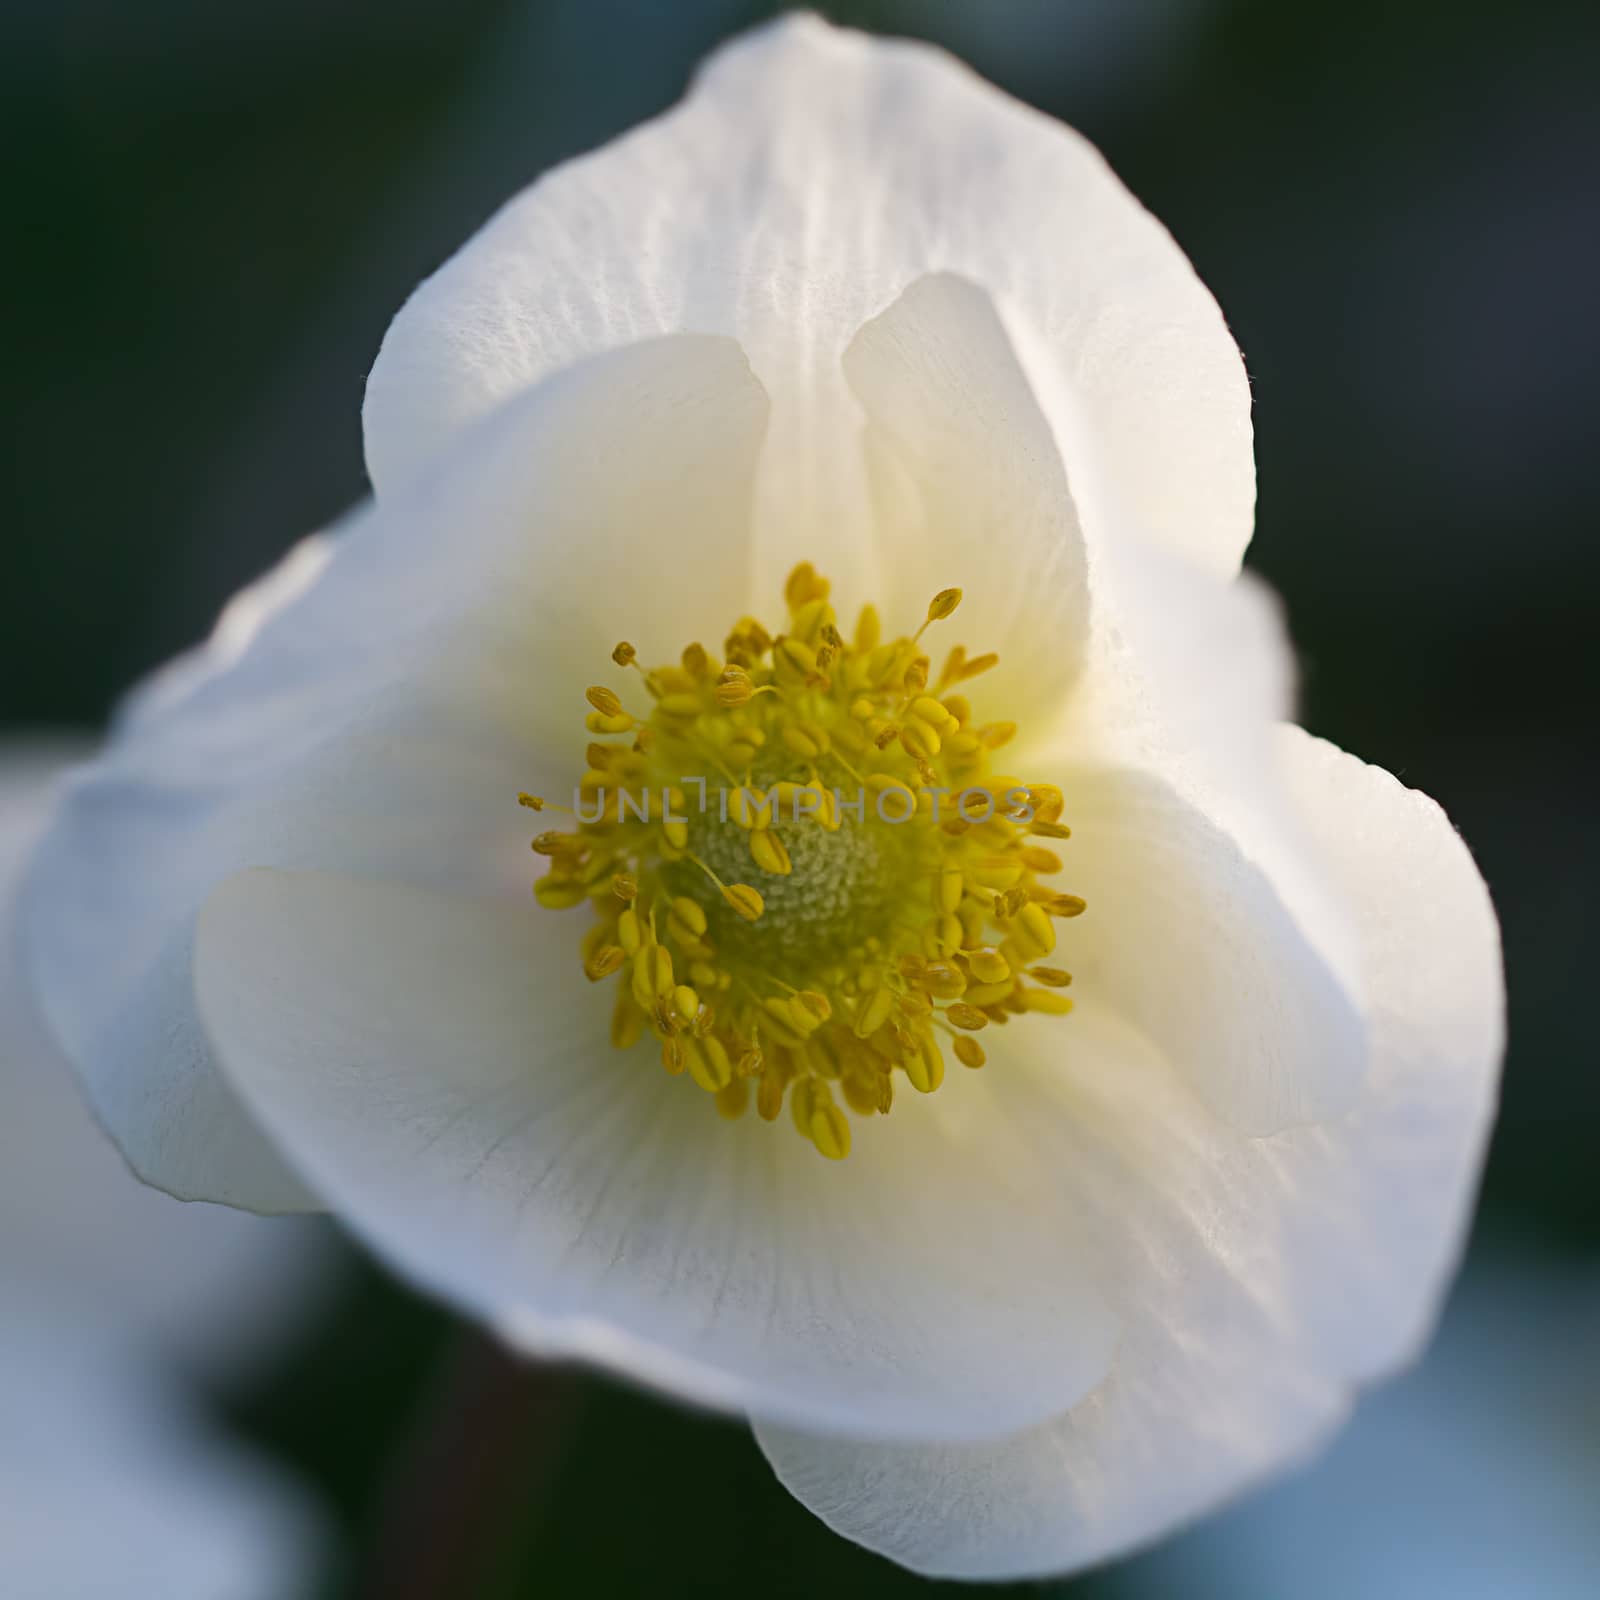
x=449 y=1088
x=969 y=489
x=1471 y=1477
x=206 y=1286
x=383 y=717
x=1190 y=941
x=1387 y=1190
x=1261 y=1278
x=809 y=179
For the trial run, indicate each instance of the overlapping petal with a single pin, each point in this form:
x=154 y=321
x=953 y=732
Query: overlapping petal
x=443 y=1085
x=811 y=177
x=114 y=1296
x=846 y=305
x=382 y=720
x=1258 y=1279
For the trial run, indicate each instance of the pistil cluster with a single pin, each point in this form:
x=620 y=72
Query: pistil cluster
x=809 y=881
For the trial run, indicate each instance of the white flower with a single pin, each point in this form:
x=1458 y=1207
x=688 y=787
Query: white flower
x=1472 y=1476
x=113 y=1300
x=850 y=312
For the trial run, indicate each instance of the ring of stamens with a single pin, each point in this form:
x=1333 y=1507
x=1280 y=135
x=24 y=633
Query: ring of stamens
x=806 y=876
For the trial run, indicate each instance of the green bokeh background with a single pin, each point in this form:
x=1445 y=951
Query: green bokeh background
x=214 y=210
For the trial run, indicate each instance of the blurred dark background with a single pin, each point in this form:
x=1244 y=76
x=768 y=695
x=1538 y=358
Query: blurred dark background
x=213 y=211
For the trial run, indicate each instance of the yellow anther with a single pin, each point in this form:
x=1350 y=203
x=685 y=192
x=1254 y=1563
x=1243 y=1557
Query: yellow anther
x=1053 y=977
x=943 y=981
x=830 y=1132
x=925 y=1066
x=861 y=1093
x=606 y=960
x=734 y=688
x=769 y=1095
x=905 y=921
x=790 y=1018
x=969 y=1052
x=879 y=781
x=1047 y=1001
x=1047 y=801
x=769 y=853
x=995 y=874
x=873 y=1012
x=531 y=801
x=627 y=1022
x=800 y=1104
x=816 y=1003
x=799 y=655
x=1034 y=923
x=685 y=704
x=560 y=894
x=807 y=620
x=733 y=1100
x=745 y=900
x=988 y=994
x=652 y=975
x=989 y=966
x=1064 y=905
x=804 y=585
x=708 y=1064
x=1007 y=905
x=951 y=888
x=801 y=743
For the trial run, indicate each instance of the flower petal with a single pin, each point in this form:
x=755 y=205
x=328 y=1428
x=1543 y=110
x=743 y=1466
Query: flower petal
x=1262 y=1278
x=1189 y=940
x=448 y=1089
x=969 y=489
x=809 y=179
x=382 y=717
x=213 y=1290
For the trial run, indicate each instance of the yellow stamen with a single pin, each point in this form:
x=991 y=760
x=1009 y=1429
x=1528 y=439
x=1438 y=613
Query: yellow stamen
x=901 y=905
